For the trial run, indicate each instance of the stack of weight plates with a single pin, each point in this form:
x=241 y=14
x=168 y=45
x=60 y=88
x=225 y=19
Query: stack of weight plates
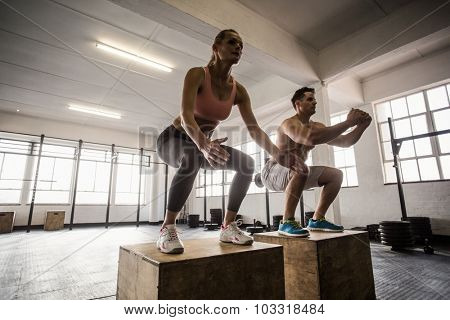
x=421 y=228
x=276 y=222
x=396 y=234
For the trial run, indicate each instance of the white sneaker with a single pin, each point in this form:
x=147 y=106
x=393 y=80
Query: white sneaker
x=233 y=234
x=168 y=241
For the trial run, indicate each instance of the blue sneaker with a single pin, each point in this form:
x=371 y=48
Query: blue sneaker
x=324 y=225
x=292 y=228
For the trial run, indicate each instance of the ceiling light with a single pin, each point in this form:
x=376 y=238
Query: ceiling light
x=95 y=111
x=133 y=57
x=18 y=110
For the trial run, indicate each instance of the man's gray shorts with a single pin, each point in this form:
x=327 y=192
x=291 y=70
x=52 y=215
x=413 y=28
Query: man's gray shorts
x=276 y=177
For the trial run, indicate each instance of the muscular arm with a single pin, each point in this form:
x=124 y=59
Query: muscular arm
x=257 y=134
x=313 y=134
x=192 y=83
x=347 y=140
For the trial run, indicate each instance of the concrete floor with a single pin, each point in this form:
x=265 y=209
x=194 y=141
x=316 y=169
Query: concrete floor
x=82 y=264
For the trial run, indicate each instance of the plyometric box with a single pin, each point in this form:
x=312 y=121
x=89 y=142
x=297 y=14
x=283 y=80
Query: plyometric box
x=208 y=269
x=326 y=265
x=54 y=220
x=7 y=221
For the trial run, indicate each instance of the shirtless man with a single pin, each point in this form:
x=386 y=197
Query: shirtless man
x=300 y=135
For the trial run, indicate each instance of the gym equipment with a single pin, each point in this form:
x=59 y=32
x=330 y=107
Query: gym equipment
x=211 y=226
x=7 y=221
x=256 y=228
x=420 y=226
x=193 y=220
x=54 y=220
x=396 y=234
x=215 y=271
x=326 y=265
x=276 y=222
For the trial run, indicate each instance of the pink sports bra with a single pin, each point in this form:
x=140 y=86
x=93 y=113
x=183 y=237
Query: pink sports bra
x=209 y=107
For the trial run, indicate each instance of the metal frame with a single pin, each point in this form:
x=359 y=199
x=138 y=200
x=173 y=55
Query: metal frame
x=36 y=176
x=141 y=154
x=113 y=158
x=396 y=145
x=75 y=185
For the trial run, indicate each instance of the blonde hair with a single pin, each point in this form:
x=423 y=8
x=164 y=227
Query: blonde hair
x=220 y=36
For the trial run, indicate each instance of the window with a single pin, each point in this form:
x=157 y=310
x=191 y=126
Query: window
x=13 y=159
x=344 y=158
x=55 y=174
x=127 y=181
x=93 y=177
x=422 y=159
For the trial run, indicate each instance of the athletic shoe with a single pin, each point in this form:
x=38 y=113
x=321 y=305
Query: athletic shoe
x=292 y=228
x=324 y=225
x=233 y=234
x=168 y=241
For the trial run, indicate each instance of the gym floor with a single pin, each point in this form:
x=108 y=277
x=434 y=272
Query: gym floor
x=82 y=264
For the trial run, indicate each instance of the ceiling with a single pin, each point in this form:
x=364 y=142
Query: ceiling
x=48 y=57
x=319 y=23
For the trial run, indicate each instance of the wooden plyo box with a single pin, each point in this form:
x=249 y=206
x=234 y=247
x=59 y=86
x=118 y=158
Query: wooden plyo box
x=7 y=221
x=54 y=220
x=208 y=269
x=326 y=265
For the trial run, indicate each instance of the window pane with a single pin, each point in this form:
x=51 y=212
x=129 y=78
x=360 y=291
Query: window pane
x=437 y=98
x=352 y=178
x=62 y=175
x=45 y=173
x=13 y=171
x=217 y=177
x=442 y=119
x=86 y=176
x=419 y=124
x=428 y=169
x=51 y=197
x=92 y=198
x=339 y=159
x=383 y=111
x=344 y=177
x=409 y=170
x=388 y=155
x=125 y=158
x=402 y=128
x=399 y=109
x=423 y=147
x=227 y=190
x=407 y=150
x=102 y=177
x=445 y=165
x=444 y=143
x=127 y=198
x=124 y=177
x=217 y=190
x=349 y=157
x=384 y=130
x=10 y=196
x=200 y=192
x=416 y=103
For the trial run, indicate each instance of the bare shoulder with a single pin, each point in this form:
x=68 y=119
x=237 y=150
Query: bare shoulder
x=318 y=124
x=241 y=93
x=196 y=73
x=289 y=123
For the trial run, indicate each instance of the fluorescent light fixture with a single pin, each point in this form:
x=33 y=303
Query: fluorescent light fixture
x=95 y=111
x=133 y=57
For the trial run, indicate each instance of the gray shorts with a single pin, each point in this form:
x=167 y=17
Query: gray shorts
x=276 y=177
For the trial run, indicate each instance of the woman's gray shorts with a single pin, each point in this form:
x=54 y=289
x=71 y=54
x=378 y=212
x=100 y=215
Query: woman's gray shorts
x=276 y=177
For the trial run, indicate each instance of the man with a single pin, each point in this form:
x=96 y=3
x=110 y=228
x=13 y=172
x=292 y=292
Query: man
x=300 y=135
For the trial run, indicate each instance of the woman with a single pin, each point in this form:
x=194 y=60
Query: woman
x=208 y=96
